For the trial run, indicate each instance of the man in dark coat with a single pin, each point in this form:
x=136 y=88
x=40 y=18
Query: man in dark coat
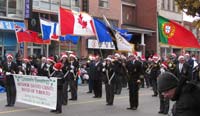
x=42 y=68
x=183 y=69
x=10 y=68
x=134 y=68
x=186 y=95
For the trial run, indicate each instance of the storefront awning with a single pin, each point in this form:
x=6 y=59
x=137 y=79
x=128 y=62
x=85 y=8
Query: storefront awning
x=9 y=25
x=138 y=30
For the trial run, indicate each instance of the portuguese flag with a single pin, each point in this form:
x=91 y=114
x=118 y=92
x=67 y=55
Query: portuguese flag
x=172 y=33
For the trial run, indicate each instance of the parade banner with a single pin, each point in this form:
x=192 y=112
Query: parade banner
x=36 y=90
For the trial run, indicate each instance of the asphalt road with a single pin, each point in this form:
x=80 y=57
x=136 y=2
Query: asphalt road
x=88 y=106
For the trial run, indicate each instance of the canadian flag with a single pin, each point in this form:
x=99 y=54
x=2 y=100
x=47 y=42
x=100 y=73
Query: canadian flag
x=75 y=23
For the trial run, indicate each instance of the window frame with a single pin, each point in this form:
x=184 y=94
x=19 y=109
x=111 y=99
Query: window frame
x=102 y=2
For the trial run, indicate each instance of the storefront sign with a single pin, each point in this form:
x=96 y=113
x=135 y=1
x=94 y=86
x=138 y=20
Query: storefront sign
x=94 y=44
x=36 y=90
x=28 y=8
x=9 y=25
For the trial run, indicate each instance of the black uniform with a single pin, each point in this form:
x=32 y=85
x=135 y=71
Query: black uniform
x=73 y=79
x=91 y=67
x=97 y=87
x=10 y=84
x=59 y=75
x=109 y=83
x=118 y=75
x=134 y=71
x=155 y=71
x=66 y=82
x=145 y=75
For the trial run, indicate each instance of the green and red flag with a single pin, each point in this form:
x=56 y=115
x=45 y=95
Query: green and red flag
x=172 y=33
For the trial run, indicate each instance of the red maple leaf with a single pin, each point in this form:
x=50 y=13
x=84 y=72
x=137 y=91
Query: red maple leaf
x=82 y=22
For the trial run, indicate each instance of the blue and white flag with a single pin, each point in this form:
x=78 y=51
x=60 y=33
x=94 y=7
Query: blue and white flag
x=50 y=30
x=124 y=33
x=119 y=41
x=73 y=39
x=102 y=31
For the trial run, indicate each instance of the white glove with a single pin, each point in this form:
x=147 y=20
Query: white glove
x=104 y=64
x=72 y=67
x=71 y=71
x=8 y=73
x=103 y=70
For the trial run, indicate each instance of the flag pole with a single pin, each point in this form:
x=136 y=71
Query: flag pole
x=112 y=32
x=97 y=39
x=47 y=55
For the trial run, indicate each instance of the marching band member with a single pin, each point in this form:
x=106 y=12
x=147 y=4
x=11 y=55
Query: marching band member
x=91 y=67
x=50 y=63
x=98 y=74
x=155 y=71
x=9 y=68
x=118 y=74
x=66 y=64
x=110 y=80
x=73 y=77
x=171 y=61
x=134 y=71
x=57 y=67
x=164 y=102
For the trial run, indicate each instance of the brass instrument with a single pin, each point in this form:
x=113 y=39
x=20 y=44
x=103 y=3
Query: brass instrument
x=148 y=70
x=171 y=66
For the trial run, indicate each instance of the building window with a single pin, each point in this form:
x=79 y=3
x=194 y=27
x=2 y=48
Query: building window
x=85 y=6
x=103 y=3
x=75 y=3
x=2 y=7
x=12 y=7
x=174 y=6
x=15 y=8
x=66 y=3
x=168 y=5
x=163 y=4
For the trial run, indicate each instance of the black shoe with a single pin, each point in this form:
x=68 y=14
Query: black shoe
x=64 y=104
x=160 y=112
x=53 y=111
x=154 y=95
x=129 y=108
x=134 y=108
x=58 y=112
x=73 y=99
x=95 y=97
x=89 y=92
x=165 y=112
x=8 y=105
x=109 y=104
